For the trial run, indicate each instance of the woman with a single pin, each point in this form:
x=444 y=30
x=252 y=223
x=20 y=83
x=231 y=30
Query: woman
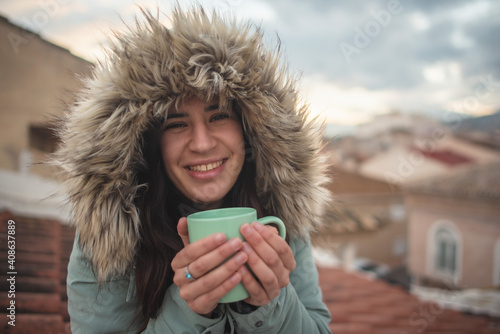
x=194 y=117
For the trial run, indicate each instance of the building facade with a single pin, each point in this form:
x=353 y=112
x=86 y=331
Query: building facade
x=454 y=229
x=36 y=82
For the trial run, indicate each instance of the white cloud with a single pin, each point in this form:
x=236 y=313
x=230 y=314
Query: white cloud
x=420 y=21
x=443 y=72
x=18 y=8
x=460 y=41
x=476 y=96
x=89 y=35
x=344 y=105
x=70 y=8
x=471 y=11
x=259 y=11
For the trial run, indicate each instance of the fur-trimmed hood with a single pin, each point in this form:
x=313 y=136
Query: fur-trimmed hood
x=146 y=70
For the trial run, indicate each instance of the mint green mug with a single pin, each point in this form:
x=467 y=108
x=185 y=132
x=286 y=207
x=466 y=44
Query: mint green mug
x=228 y=221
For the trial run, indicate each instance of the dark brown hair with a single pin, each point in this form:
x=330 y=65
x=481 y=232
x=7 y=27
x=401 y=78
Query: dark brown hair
x=161 y=205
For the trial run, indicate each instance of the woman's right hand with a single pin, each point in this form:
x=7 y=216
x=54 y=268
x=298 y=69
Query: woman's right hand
x=204 y=257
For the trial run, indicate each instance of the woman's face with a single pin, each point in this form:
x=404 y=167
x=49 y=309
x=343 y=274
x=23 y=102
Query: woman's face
x=203 y=150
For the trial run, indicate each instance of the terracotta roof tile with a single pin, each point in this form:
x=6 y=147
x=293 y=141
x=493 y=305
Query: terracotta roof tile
x=350 y=328
x=363 y=305
x=446 y=156
x=40 y=282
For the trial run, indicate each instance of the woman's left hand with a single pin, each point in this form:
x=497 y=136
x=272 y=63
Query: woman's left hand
x=271 y=260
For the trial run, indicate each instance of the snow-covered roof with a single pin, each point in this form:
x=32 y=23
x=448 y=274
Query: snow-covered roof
x=31 y=195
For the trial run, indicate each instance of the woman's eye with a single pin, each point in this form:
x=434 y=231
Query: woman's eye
x=174 y=126
x=220 y=116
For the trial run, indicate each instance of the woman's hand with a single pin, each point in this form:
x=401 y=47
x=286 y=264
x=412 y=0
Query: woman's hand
x=271 y=261
x=203 y=258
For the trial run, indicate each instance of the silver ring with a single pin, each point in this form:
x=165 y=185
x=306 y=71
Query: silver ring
x=188 y=274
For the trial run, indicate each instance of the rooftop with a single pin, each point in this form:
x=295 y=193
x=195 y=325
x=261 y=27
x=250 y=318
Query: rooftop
x=345 y=182
x=360 y=304
x=445 y=156
x=476 y=181
x=42 y=249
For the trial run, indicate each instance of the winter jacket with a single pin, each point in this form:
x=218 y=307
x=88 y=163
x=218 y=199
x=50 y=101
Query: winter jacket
x=112 y=309
x=145 y=72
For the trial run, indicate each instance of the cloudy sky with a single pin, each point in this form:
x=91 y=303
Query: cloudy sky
x=356 y=58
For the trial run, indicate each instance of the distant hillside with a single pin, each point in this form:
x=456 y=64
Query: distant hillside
x=489 y=123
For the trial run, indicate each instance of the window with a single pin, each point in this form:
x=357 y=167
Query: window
x=400 y=246
x=42 y=138
x=446 y=251
x=397 y=212
x=496 y=264
x=444 y=254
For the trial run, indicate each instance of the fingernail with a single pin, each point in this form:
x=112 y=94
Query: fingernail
x=220 y=237
x=235 y=243
x=246 y=248
x=243 y=270
x=247 y=229
x=235 y=278
x=240 y=258
x=258 y=226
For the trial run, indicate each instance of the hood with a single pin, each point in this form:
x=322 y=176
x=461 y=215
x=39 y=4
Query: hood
x=145 y=71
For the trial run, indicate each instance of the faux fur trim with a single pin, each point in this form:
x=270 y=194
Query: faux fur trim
x=145 y=71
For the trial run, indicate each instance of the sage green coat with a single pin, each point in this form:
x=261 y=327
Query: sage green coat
x=112 y=308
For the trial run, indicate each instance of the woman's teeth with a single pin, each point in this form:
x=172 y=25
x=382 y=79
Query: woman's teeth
x=205 y=168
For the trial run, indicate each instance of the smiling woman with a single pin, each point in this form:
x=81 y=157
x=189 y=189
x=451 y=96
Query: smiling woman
x=195 y=117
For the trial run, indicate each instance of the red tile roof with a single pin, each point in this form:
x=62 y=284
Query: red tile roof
x=362 y=305
x=446 y=156
x=42 y=249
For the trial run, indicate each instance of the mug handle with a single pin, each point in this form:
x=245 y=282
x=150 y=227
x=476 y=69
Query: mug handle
x=274 y=220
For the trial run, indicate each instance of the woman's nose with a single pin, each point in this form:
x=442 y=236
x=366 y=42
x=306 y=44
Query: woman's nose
x=202 y=139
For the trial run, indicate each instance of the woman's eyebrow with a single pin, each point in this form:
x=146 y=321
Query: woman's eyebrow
x=212 y=107
x=177 y=115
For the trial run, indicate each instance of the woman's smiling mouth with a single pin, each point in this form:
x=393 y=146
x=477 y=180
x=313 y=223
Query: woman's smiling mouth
x=206 y=167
